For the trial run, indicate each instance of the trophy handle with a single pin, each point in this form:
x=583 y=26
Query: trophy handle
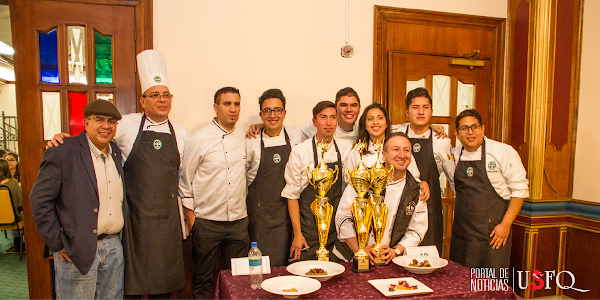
x=391 y=174
x=310 y=180
x=337 y=172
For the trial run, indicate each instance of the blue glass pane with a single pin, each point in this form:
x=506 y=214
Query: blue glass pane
x=49 y=57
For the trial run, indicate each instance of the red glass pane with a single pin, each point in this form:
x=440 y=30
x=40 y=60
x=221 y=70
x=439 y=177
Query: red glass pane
x=77 y=102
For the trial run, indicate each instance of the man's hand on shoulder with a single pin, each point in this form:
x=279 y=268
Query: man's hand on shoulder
x=440 y=133
x=57 y=139
x=253 y=130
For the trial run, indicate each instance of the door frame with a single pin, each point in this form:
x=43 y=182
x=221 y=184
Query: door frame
x=499 y=122
x=39 y=273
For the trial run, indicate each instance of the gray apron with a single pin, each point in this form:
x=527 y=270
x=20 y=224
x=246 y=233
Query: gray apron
x=152 y=235
x=307 y=219
x=269 y=222
x=477 y=210
x=423 y=153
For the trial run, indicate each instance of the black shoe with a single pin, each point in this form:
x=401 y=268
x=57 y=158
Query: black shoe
x=13 y=249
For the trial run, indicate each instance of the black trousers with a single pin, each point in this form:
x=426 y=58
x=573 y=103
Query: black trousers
x=207 y=236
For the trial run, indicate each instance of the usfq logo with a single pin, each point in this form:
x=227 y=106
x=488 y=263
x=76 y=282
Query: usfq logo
x=544 y=280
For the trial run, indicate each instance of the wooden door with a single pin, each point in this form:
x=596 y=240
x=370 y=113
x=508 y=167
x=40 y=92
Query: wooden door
x=452 y=89
x=66 y=55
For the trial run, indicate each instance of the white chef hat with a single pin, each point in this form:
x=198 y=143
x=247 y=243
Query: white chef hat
x=152 y=69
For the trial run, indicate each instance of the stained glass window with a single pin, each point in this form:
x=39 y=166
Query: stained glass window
x=441 y=96
x=77 y=102
x=48 y=57
x=465 y=97
x=106 y=96
x=51 y=112
x=103 y=51
x=76 y=55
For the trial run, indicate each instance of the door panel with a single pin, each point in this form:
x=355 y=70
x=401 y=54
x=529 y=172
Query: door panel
x=452 y=89
x=66 y=54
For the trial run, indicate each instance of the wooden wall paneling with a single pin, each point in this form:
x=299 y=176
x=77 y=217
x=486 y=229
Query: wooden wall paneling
x=582 y=259
x=517 y=255
x=548 y=253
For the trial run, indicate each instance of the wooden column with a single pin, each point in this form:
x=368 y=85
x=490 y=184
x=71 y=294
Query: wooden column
x=541 y=86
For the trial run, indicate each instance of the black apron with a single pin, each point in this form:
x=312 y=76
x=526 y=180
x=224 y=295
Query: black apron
x=425 y=159
x=307 y=219
x=152 y=237
x=477 y=210
x=269 y=222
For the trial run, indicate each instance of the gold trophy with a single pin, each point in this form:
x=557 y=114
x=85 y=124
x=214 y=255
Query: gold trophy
x=380 y=176
x=362 y=211
x=322 y=180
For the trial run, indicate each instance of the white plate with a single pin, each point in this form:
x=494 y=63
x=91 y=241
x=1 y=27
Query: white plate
x=300 y=268
x=277 y=285
x=383 y=286
x=435 y=263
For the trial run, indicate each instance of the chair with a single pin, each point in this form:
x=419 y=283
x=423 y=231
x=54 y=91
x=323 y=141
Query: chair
x=9 y=215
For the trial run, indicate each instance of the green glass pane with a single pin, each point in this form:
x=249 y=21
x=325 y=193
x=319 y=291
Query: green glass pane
x=103 y=59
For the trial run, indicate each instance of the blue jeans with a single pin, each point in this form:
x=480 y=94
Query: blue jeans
x=103 y=281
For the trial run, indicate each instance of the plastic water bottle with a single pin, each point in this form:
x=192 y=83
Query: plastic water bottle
x=255 y=260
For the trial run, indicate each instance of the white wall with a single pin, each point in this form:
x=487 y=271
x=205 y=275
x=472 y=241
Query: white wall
x=8 y=102
x=587 y=159
x=262 y=44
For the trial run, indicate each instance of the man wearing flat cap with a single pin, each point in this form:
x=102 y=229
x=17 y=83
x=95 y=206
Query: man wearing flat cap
x=77 y=205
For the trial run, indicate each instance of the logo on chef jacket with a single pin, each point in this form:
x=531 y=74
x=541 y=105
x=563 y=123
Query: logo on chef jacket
x=276 y=158
x=492 y=165
x=416 y=147
x=157 y=144
x=470 y=171
x=410 y=208
x=438 y=160
x=157 y=79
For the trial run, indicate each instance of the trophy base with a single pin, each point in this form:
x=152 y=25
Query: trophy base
x=323 y=258
x=379 y=262
x=361 y=265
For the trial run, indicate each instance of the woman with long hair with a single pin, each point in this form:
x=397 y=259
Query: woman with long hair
x=373 y=126
x=16 y=197
x=13 y=164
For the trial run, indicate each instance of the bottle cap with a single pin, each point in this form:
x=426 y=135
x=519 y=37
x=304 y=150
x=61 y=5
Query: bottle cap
x=253 y=244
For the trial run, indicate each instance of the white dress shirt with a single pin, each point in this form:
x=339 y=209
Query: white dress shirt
x=110 y=191
x=295 y=170
x=417 y=227
x=253 y=150
x=128 y=128
x=345 y=139
x=442 y=151
x=370 y=157
x=212 y=180
x=504 y=168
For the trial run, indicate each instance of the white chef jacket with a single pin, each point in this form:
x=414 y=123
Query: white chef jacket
x=442 y=151
x=417 y=227
x=253 y=150
x=212 y=180
x=344 y=139
x=370 y=157
x=504 y=168
x=302 y=157
x=128 y=128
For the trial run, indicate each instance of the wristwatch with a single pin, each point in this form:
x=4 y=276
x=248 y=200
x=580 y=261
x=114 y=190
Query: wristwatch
x=397 y=251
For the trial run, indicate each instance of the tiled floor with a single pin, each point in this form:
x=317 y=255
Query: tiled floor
x=13 y=272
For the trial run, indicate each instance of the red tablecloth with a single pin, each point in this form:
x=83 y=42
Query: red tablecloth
x=450 y=282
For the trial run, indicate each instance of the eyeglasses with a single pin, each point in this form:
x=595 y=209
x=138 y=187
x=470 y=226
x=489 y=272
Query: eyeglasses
x=156 y=96
x=465 y=128
x=102 y=120
x=277 y=111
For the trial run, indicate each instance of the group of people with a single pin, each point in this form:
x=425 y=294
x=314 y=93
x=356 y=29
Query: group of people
x=10 y=177
x=106 y=201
